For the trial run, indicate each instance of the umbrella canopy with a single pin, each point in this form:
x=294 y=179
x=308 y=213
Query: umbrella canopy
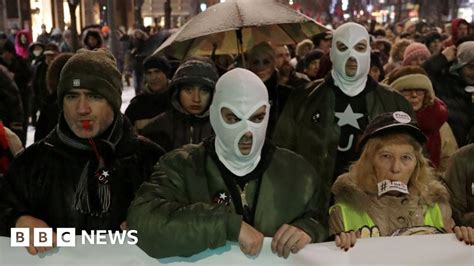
x=234 y=27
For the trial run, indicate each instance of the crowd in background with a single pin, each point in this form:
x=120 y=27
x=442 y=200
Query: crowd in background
x=428 y=70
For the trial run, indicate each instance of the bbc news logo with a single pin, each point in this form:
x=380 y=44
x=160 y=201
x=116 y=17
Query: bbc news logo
x=66 y=237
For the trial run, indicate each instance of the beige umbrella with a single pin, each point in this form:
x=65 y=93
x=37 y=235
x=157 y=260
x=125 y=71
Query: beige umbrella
x=234 y=27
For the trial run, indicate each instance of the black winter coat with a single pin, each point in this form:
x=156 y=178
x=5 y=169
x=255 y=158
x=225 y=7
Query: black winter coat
x=173 y=129
x=43 y=180
x=449 y=87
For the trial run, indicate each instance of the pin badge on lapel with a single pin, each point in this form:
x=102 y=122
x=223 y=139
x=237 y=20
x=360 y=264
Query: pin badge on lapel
x=222 y=198
x=316 y=116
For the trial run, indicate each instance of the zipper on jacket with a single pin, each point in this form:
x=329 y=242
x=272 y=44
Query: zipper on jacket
x=191 y=130
x=242 y=195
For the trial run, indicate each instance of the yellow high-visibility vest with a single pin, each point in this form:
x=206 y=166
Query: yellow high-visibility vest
x=354 y=220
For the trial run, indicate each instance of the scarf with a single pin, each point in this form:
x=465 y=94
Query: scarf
x=92 y=194
x=430 y=119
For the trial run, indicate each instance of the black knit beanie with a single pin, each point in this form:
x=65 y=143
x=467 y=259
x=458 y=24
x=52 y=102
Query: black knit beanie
x=159 y=62
x=315 y=54
x=93 y=70
x=195 y=70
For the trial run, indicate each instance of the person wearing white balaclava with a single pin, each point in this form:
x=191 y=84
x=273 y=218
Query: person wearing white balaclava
x=243 y=94
x=352 y=37
x=234 y=187
x=324 y=122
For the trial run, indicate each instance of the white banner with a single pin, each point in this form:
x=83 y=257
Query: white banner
x=404 y=250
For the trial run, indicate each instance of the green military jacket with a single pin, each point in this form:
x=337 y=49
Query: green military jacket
x=308 y=125
x=175 y=213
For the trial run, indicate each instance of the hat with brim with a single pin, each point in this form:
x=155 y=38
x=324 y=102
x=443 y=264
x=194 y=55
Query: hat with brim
x=391 y=123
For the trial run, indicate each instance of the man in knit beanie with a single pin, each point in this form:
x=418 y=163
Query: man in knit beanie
x=191 y=91
x=154 y=99
x=84 y=174
x=415 y=54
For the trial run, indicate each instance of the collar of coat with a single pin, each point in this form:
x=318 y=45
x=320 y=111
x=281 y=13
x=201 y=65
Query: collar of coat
x=347 y=190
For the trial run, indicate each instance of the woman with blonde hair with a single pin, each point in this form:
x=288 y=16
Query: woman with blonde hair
x=391 y=189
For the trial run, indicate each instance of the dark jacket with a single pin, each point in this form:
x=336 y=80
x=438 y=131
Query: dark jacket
x=23 y=74
x=175 y=128
x=460 y=180
x=278 y=95
x=40 y=90
x=11 y=108
x=181 y=210
x=146 y=106
x=43 y=181
x=308 y=125
x=48 y=118
x=449 y=87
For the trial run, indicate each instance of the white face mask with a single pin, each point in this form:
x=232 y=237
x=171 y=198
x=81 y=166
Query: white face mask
x=243 y=93
x=350 y=34
x=37 y=52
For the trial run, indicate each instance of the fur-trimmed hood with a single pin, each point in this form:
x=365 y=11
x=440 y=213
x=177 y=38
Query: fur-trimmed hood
x=95 y=33
x=347 y=190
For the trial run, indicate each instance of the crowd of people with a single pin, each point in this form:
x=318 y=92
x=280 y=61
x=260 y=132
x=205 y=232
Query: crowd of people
x=362 y=131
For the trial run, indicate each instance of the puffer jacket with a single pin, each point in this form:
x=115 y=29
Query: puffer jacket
x=460 y=180
x=389 y=213
x=308 y=126
x=178 y=212
x=176 y=127
x=43 y=180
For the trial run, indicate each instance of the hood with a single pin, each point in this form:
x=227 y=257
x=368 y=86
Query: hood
x=25 y=33
x=92 y=32
x=454 y=27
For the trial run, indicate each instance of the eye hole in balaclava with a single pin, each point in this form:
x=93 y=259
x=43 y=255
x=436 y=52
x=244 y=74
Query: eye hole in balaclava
x=234 y=121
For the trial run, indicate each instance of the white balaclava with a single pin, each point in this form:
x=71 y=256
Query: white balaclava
x=350 y=34
x=243 y=93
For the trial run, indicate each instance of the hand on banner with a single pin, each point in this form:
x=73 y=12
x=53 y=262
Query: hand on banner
x=288 y=239
x=250 y=240
x=347 y=240
x=124 y=226
x=27 y=221
x=465 y=234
